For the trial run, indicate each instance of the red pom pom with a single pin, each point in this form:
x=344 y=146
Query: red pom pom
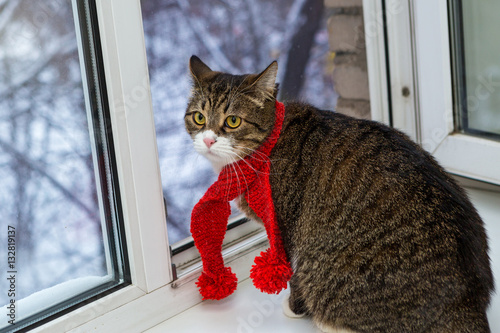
x=217 y=286
x=270 y=273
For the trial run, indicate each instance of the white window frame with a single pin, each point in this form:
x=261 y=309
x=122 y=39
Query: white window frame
x=418 y=44
x=152 y=296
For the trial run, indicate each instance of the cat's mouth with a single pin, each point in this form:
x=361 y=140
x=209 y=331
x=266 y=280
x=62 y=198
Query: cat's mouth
x=214 y=155
x=218 y=159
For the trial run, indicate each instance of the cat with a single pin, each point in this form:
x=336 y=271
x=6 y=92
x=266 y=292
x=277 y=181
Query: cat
x=379 y=236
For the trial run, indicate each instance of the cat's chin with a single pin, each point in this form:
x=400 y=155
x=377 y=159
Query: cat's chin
x=218 y=162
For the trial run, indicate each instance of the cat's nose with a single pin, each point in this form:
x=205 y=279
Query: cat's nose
x=209 y=142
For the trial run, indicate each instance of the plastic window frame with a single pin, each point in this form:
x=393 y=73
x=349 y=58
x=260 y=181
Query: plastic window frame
x=417 y=69
x=115 y=254
x=152 y=297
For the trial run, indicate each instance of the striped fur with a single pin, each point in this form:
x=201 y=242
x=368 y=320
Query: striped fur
x=381 y=238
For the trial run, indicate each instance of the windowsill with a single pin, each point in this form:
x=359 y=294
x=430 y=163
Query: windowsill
x=249 y=310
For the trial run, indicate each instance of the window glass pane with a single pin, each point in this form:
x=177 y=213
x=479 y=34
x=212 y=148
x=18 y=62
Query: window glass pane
x=477 y=64
x=55 y=166
x=234 y=36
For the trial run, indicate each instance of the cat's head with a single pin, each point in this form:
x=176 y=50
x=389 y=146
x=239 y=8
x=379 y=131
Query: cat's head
x=230 y=116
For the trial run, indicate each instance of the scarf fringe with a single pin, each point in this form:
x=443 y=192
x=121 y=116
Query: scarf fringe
x=270 y=273
x=217 y=286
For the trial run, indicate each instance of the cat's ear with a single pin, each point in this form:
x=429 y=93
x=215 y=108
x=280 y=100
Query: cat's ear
x=198 y=68
x=266 y=81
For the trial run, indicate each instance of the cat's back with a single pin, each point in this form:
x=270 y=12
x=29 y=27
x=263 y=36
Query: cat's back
x=367 y=215
x=336 y=151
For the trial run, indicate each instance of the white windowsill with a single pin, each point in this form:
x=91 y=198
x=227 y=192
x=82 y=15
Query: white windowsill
x=249 y=310
x=246 y=311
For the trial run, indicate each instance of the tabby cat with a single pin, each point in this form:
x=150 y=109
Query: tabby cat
x=380 y=238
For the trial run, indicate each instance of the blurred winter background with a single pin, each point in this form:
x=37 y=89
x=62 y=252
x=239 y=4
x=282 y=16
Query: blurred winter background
x=49 y=192
x=235 y=36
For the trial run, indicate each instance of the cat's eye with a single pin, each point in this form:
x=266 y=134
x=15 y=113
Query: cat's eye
x=199 y=118
x=233 y=121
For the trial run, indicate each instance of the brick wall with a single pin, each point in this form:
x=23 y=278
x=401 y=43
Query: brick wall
x=347 y=41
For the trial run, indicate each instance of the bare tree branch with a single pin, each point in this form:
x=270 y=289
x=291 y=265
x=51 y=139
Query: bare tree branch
x=208 y=41
x=20 y=79
x=6 y=13
x=255 y=24
x=301 y=43
x=25 y=161
x=292 y=24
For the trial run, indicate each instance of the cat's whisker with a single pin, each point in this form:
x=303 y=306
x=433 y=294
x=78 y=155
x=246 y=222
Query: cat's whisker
x=243 y=159
x=238 y=158
x=238 y=178
x=254 y=153
x=246 y=162
x=244 y=178
x=257 y=153
x=232 y=165
x=228 y=188
x=235 y=157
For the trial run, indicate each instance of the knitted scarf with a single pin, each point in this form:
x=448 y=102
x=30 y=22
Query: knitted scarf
x=249 y=176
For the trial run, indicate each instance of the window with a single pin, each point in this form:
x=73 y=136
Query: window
x=237 y=37
x=476 y=67
x=443 y=85
x=117 y=92
x=60 y=200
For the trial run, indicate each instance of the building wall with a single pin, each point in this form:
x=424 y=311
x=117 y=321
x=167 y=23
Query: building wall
x=347 y=42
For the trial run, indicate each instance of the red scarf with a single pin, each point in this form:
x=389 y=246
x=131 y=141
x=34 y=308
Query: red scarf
x=250 y=177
